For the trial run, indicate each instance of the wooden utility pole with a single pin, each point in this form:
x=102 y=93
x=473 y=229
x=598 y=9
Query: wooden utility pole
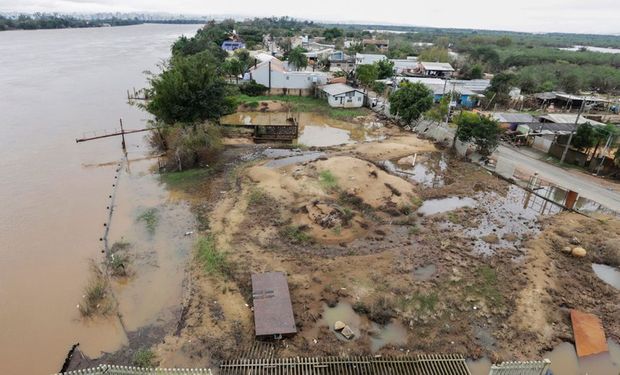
x=570 y=137
x=115 y=133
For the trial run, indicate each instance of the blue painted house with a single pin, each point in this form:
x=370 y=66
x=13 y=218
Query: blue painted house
x=466 y=99
x=232 y=45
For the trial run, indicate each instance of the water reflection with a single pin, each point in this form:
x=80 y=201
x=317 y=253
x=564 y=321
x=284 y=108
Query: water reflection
x=314 y=129
x=608 y=274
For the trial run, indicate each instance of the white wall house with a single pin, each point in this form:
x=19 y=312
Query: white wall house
x=340 y=95
x=275 y=75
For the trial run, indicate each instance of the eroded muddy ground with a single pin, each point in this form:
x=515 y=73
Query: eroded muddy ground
x=472 y=272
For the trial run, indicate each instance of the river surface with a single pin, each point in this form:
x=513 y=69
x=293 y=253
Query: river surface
x=56 y=85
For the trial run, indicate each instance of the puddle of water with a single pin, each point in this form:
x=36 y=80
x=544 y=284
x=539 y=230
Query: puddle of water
x=425 y=273
x=392 y=334
x=558 y=195
x=343 y=312
x=314 y=129
x=564 y=361
x=424 y=172
x=481 y=366
x=608 y=274
x=291 y=157
x=436 y=206
x=505 y=217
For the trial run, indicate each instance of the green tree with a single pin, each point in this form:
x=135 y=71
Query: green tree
x=332 y=33
x=483 y=131
x=487 y=56
x=385 y=69
x=500 y=87
x=504 y=41
x=379 y=87
x=297 y=58
x=434 y=54
x=602 y=134
x=585 y=137
x=189 y=90
x=410 y=101
x=440 y=111
x=233 y=68
x=244 y=58
x=367 y=74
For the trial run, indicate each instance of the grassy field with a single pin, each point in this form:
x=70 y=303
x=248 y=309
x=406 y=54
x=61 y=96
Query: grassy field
x=307 y=104
x=187 y=178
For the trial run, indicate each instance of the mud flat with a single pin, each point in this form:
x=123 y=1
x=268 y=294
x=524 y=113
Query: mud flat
x=488 y=279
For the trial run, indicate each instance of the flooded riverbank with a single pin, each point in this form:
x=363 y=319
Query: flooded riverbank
x=55 y=192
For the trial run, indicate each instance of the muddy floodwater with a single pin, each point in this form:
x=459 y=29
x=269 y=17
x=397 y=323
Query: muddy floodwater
x=314 y=129
x=56 y=85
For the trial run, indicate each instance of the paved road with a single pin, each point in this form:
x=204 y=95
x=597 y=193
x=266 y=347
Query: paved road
x=586 y=186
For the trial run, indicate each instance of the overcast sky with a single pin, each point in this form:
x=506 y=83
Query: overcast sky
x=580 y=16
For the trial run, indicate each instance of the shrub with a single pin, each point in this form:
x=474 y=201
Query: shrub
x=253 y=89
x=144 y=358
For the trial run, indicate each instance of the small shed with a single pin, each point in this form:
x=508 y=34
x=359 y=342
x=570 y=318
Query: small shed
x=273 y=310
x=341 y=95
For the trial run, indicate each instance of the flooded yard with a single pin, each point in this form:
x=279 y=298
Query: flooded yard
x=315 y=130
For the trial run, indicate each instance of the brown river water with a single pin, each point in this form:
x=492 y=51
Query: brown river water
x=56 y=85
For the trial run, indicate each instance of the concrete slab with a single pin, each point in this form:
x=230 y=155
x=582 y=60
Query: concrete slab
x=589 y=333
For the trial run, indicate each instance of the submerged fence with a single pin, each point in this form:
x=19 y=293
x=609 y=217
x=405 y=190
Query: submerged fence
x=406 y=365
x=521 y=368
x=129 y=370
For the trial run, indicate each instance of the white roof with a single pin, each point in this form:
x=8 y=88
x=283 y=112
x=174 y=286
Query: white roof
x=262 y=56
x=437 y=66
x=338 y=88
x=405 y=64
x=424 y=80
x=364 y=58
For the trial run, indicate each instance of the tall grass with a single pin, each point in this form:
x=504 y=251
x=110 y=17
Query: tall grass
x=97 y=298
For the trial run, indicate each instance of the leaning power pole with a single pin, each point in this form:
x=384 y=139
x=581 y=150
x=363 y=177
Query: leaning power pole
x=570 y=137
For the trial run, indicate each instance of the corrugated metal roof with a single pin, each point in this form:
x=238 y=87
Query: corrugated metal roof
x=477 y=85
x=513 y=117
x=439 y=89
x=551 y=128
x=338 y=88
x=569 y=118
x=273 y=310
x=437 y=66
